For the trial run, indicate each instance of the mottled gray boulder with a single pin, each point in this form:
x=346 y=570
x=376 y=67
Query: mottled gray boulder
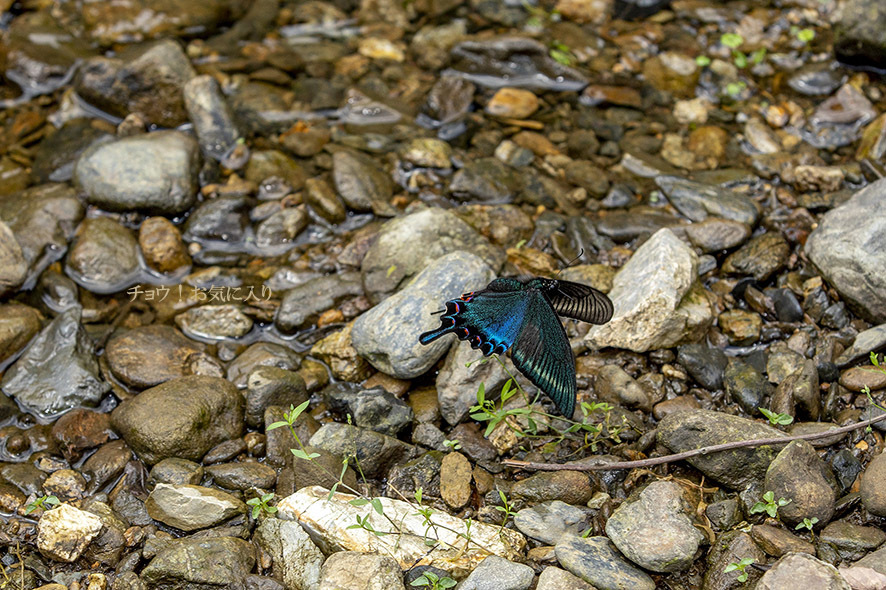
x=295 y=557
x=154 y=173
x=801 y=570
x=206 y=562
x=406 y=245
x=497 y=573
x=387 y=334
x=654 y=530
x=58 y=370
x=182 y=417
x=692 y=429
x=304 y=303
x=374 y=452
x=849 y=248
x=550 y=521
x=597 y=561
x=461 y=374
x=670 y=309
x=698 y=201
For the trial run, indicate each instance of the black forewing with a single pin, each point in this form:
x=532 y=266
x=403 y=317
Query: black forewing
x=580 y=302
x=542 y=353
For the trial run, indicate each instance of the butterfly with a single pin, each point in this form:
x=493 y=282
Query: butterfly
x=520 y=314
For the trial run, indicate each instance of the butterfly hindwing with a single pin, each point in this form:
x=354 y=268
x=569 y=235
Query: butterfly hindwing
x=543 y=354
x=579 y=302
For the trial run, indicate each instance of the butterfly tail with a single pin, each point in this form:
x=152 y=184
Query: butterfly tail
x=429 y=337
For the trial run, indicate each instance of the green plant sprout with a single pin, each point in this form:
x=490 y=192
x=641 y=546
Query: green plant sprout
x=562 y=54
x=455 y=445
x=702 y=61
x=43 y=502
x=804 y=36
x=433 y=581
x=733 y=89
x=769 y=504
x=807 y=523
x=775 y=418
x=740 y=566
x=505 y=508
x=867 y=390
x=260 y=505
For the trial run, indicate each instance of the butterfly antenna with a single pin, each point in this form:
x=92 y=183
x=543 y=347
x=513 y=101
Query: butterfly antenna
x=438 y=312
x=571 y=262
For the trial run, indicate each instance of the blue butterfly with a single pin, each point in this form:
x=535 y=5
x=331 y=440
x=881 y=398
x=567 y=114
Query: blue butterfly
x=520 y=314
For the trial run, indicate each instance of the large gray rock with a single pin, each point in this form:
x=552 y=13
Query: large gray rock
x=860 y=34
x=58 y=370
x=461 y=375
x=670 y=309
x=698 y=201
x=849 y=248
x=295 y=557
x=496 y=573
x=207 y=562
x=406 y=245
x=212 y=117
x=387 y=334
x=798 y=473
x=597 y=561
x=800 y=570
x=154 y=172
x=104 y=256
x=182 y=417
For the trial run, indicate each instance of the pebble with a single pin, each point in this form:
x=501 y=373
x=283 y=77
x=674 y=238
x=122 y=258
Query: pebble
x=596 y=561
x=455 y=480
x=512 y=103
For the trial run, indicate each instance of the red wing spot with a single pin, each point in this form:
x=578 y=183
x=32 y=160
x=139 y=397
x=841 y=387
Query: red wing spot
x=465 y=332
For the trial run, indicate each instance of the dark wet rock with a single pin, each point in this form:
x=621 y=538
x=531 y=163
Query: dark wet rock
x=296 y=560
x=272 y=386
x=224 y=451
x=18 y=324
x=614 y=384
x=496 y=573
x=324 y=201
x=704 y=363
x=24 y=476
x=243 y=475
x=58 y=153
x=512 y=61
x=65 y=484
x=361 y=184
x=446 y=105
x=143 y=79
x=261 y=354
x=873 y=491
x=684 y=431
x=149 y=355
x=799 y=570
x=838 y=120
x=731 y=547
x=486 y=180
x=852 y=541
x=846 y=468
x=503 y=225
x=473 y=443
x=351 y=569
x=872 y=339
x=80 y=430
x=571 y=487
x=699 y=201
x=723 y=514
x=584 y=174
x=741 y=327
x=161 y=245
x=852 y=267
x=777 y=541
x=154 y=172
x=373 y=409
x=103 y=255
x=548 y=522
x=215 y=322
x=672 y=72
x=625 y=226
x=816 y=79
x=406 y=245
x=798 y=474
x=714 y=235
x=43 y=219
x=280 y=441
x=859 y=34
x=224 y=218
x=13 y=178
x=654 y=529
x=745 y=385
x=787 y=308
x=201 y=562
x=760 y=257
x=374 y=451
x=182 y=417
x=677 y=311
x=213 y=120
x=58 y=370
x=191 y=507
x=596 y=561
x=422 y=472
x=384 y=335
x=176 y=471
x=303 y=304
x=264 y=164
x=106 y=464
x=280 y=229
x=108 y=547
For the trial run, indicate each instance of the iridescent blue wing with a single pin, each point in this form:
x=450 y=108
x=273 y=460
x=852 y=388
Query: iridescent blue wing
x=579 y=302
x=543 y=354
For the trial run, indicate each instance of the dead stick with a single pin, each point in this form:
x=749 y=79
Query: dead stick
x=598 y=465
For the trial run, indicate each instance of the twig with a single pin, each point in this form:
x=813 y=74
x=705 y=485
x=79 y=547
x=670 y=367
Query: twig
x=599 y=465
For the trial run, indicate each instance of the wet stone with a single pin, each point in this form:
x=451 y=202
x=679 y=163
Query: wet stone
x=18 y=324
x=207 y=561
x=191 y=507
x=243 y=476
x=485 y=180
x=161 y=244
x=103 y=256
x=374 y=409
x=797 y=473
x=499 y=574
x=212 y=117
x=596 y=561
x=512 y=103
x=64 y=533
x=699 y=201
x=571 y=487
x=80 y=430
x=361 y=184
x=177 y=471
x=264 y=164
x=740 y=326
x=777 y=541
x=704 y=363
x=303 y=304
x=550 y=521
x=272 y=386
x=222 y=219
x=374 y=451
x=873 y=490
x=261 y=354
x=857 y=378
x=759 y=257
x=731 y=547
x=714 y=235
x=803 y=571
x=214 y=322
x=852 y=541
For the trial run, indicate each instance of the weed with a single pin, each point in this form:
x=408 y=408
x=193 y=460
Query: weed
x=43 y=502
x=562 y=54
x=740 y=566
x=455 y=445
x=433 y=581
x=769 y=504
x=804 y=36
x=260 y=505
x=775 y=418
x=807 y=523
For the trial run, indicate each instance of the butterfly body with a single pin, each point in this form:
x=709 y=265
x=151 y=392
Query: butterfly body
x=520 y=315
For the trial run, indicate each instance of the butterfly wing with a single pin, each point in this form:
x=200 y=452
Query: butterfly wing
x=542 y=353
x=579 y=302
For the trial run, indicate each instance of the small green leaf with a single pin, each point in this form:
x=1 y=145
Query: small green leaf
x=732 y=40
x=376 y=503
x=730 y=568
x=806 y=35
x=359 y=502
x=303 y=455
x=276 y=425
x=702 y=61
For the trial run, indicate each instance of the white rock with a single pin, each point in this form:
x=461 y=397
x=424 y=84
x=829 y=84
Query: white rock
x=64 y=532
x=295 y=555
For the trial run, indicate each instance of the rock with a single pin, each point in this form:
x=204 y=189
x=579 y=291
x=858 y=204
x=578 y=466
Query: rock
x=361 y=185
x=277 y=232
x=715 y=235
x=672 y=72
x=851 y=267
x=220 y=219
x=699 y=201
x=684 y=431
x=852 y=541
x=427 y=152
x=553 y=578
x=866 y=341
x=798 y=474
x=212 y=117
x=745 y=385
x=859 y=34
x=374 y=409
x=191 y=507
x=873 y=492
x=512 y=103
x=331 y=520
x=182 y=417
x=58 y=370
x=655 y=530
x=776 y=541
x=265 y=164
x=161 y=244
x=324 y=201
x=706 y=365
x=740 y=326
x=154 y=173
x=613 y=383
x=549 y=522
x=760 y=257
x=272 y=386
x=145 y=79
x=495 y=573
x=214 y=322
x=149 y=355
x=799 y=570
x=18 y=324
x=455 y=480
x=201 y=562
x=295 y=557
x=485 y=180
x=674 y=311
x=243 y=475
x=261 y=354
x=303 y=304
x=373 y=451
x=731 y=547
x=337 y=351
x=103 y=256
x=571 y=487
x=458 y=380
x=385 y=334
x=596 y=561
x=13 y=266
x=175 y=471
x=355 y=570
x=63 y=533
